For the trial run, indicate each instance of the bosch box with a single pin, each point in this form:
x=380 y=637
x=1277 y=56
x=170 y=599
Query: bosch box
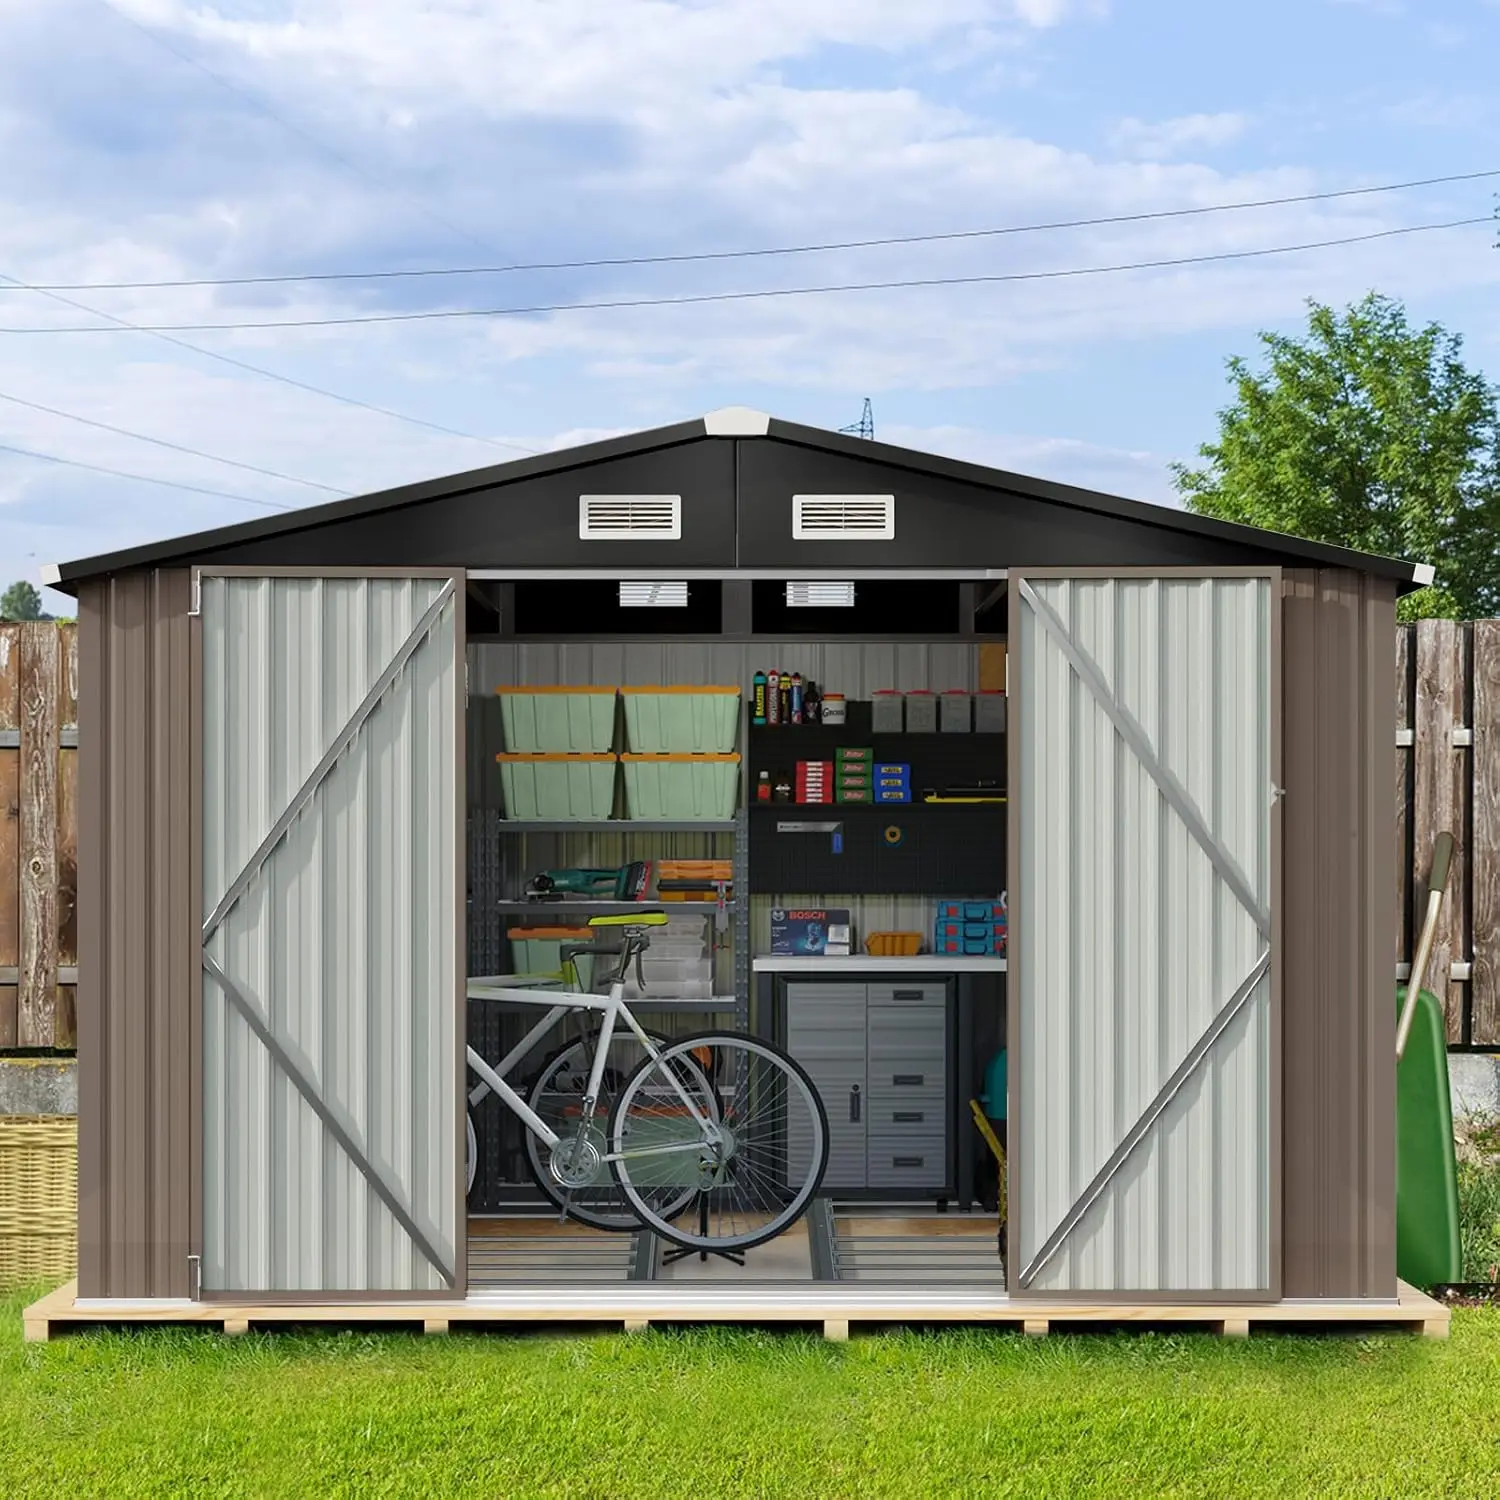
x=810 y=932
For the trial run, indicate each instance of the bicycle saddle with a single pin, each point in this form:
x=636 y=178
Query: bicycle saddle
x=650 y=916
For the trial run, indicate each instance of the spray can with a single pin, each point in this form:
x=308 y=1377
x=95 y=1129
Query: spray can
x=786 y=698
x=773 y=697
x=758 y=689
x=796 y=698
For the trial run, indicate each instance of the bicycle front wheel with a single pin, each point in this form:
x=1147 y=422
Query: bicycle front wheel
x=752 y=1171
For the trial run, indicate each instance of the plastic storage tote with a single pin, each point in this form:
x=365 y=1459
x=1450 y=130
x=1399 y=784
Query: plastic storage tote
x=540 y=719
x=681 y=720
x=921 y=713
x=887 y=711
x=558 y=788
x=538 y=950
x=681 y=788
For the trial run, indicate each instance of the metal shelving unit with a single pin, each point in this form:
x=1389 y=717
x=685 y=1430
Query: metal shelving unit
x=517 y=826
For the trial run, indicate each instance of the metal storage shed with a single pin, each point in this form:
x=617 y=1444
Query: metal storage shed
x=1200 y=850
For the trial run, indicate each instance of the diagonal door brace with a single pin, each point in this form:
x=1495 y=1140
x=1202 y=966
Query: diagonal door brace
x=341 y=743
x=304 y=1086
x=1153 y=1112
x=1134 y=735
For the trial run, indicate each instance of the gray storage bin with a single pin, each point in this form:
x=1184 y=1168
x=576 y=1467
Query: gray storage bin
x=989 y=713
x=955 y=713
x=887 y=713
x=921 y=713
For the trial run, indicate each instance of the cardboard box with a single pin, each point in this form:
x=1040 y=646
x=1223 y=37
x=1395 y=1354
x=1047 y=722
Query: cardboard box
x=810 y=932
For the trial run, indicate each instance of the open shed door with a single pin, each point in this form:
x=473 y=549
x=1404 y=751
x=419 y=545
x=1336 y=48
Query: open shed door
x=332 y=855
x=1144 y=790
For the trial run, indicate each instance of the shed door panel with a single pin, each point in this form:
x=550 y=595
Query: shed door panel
x=330 y=814
x=1141 y=905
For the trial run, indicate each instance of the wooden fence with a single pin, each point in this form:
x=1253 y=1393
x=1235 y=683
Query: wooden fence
x=38 y=836
x=1447 y=682
x=1448 y=777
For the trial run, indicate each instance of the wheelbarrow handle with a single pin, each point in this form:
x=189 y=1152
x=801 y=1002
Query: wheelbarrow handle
x=1442 y=860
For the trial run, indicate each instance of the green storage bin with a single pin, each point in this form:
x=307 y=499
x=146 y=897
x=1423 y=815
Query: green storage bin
x=672 y=788
x=538 y=950
x=681 y=720
x=580 y=720
x=558 y=788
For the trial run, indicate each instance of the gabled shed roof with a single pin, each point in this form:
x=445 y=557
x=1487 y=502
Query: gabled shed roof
x=357 y=529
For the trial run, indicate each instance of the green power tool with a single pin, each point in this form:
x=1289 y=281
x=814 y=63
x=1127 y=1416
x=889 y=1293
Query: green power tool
x=628 y=883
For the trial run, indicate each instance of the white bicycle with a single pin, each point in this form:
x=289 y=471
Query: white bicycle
x=721 y=1123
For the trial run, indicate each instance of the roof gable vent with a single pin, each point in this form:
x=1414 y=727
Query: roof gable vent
x=630 y=518
x=844 y=518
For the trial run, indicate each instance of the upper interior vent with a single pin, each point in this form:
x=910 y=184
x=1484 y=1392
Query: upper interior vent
x=846 y=518
x=630 y=518
x=637 y=594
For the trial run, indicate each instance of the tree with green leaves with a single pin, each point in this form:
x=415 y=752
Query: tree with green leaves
x=21 y=602
x=1370 y=434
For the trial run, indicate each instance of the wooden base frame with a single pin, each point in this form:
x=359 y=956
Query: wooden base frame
x=836 y=1310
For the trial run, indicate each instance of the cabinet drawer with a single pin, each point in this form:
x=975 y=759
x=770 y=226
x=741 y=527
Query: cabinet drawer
x=888 y=1111
x=913 y=996
x=920 y=1163
x=907 y=1034
x=914 y=1078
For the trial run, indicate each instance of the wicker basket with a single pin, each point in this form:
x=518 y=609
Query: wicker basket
x=38 y=1199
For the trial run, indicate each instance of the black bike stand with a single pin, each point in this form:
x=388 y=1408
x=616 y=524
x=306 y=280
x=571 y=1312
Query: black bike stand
x=671 y=1257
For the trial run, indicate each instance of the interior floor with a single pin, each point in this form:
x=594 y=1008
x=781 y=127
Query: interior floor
x=832 y=1242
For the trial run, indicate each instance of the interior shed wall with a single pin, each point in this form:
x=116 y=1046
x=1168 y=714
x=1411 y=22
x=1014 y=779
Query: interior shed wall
x=138 y=982
x=1339 y=936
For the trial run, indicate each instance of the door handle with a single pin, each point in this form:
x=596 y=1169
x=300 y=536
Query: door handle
x=907 y=1161
x=906 y=1080
x=854 y=1105
x=908 y=996
x=909 y=1116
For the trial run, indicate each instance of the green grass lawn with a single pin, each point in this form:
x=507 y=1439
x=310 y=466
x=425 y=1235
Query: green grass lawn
x=709 y=1413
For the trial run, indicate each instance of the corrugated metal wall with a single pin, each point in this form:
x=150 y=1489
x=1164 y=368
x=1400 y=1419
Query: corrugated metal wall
x=137 y=949
x=346 y=943
x=851 y=668
x=1126 y=941
x=1340 y=931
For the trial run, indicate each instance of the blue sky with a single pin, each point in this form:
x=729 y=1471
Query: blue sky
x=396 y=134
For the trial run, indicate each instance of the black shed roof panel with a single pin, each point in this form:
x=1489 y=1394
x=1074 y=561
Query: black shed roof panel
x=736 y=472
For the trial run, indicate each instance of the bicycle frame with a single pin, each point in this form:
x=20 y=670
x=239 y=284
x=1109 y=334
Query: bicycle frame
x=613 y=1008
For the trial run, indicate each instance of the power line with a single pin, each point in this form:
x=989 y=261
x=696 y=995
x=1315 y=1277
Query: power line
x=171 y=484
x=240 y=364
x=233 y=463
x=768 y=292
x=298 y=130
x=696 y=257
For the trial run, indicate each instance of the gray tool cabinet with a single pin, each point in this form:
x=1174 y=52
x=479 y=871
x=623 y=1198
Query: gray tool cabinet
x=879 y=1053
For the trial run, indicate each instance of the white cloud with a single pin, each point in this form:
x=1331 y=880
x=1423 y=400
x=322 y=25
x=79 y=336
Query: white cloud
x=567 y=130
x=1165 y=139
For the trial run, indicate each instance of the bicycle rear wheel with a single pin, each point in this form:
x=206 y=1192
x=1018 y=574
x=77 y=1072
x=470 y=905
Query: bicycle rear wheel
x=751 y=1173
x=557 y=1097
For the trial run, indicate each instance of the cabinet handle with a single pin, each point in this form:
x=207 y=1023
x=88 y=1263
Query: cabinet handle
x=907 y=1161
x=909 y=1116
x=906 y=1080
x=854 y=1105
x=909 y=996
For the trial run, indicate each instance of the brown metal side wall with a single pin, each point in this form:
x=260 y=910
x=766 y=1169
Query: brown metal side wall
x=1339 y=936
x=138 y=912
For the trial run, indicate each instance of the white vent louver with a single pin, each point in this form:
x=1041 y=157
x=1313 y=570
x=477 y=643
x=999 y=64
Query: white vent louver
x=630 y=518
x=637 y=594
x=820 y=595
x=845 y=518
